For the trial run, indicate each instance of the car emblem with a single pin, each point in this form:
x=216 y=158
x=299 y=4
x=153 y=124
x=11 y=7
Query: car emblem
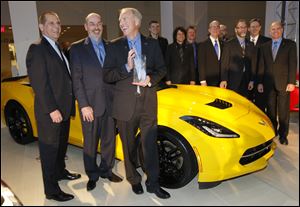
x=262 y=122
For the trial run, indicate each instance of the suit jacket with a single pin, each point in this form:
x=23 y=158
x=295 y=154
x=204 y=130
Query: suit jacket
x=87 y=74
x=260 y=41
x=180 y=72
x=116 y=72
x=50 y=80
x=232 y=63
x=163 y=44
x=280 y=72
x=208 y=64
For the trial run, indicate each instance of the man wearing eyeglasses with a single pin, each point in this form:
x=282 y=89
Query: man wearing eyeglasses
x=94 y=100
x=238 y=62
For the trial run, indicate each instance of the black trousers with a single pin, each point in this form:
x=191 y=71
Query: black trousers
x=278 y=103
x=103 y=128
x=260 y=100
x=148 y=129
x=53 y=142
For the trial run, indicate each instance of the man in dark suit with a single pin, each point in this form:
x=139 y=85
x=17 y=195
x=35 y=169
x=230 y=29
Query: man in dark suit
x=257 y=39
x=50 y=79
x=154 y=30
x=238 y=62
x=191 y=40
x=180 y=60
x=277 y=78
x=209 y=57
x=94 y=99
x=135 y=108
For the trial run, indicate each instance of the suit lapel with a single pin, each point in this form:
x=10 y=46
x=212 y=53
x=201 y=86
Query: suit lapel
x=90 y=49
x=144 y=43
x=238 y=46
x=54 y=54
x=280 y=49
x=211 y=48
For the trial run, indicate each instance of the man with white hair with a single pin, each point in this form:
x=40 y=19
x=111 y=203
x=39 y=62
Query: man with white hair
x=133 y=109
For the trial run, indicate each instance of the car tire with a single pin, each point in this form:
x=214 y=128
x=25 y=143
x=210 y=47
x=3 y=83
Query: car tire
x=177 y=160
x=18 y=123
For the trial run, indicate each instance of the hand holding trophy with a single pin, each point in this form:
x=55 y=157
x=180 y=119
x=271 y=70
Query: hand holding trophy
x=139 y=72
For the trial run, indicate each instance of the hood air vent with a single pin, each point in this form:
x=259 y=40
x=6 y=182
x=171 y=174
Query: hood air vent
x=220 y=104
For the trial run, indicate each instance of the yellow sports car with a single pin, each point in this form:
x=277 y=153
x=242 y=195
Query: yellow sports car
x=206 y=130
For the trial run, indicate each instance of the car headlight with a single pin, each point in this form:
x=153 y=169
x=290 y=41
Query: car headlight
x=210 y=128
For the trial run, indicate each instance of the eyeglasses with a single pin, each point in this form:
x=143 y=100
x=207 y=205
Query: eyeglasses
x=241 y=27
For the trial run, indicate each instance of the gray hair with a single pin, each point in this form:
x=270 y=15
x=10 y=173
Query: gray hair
x=212 y=22
x=135 y=13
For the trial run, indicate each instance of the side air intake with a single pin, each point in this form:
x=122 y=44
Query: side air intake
x=220 y=104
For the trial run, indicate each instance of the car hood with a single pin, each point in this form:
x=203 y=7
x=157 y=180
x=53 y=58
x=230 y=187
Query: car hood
x=204 y=101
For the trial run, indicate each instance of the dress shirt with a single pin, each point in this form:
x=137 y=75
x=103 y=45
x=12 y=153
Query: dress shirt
x=52 y=43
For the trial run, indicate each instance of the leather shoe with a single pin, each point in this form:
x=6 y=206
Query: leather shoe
x=283 y=140
x=91 y=185
x=161 y=193
x=61 y=196
x=70 y=176
x=112 y=178
x=137 y=188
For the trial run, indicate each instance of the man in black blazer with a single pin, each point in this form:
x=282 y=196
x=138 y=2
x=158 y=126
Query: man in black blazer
x=135 y=109
x=257 y=39
x=154 y=30
x=180 y=60
x=277 y=78
x=94 y=99
x=209 y=57
x=50 y=79
x=191 y=40
x=238 y=62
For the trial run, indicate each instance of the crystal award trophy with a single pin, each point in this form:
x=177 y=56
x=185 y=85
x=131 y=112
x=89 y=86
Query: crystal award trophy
x=139 y=70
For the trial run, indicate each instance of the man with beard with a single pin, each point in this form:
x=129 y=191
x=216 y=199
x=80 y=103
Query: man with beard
x=238 y=62
x=94 y=100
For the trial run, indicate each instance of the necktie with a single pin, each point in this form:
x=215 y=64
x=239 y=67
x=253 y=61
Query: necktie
x=216 y=46
x=274 y=49
x=243 y=48
x=62 y=57
x=101 y=54
x=195 y=54
x=181 y=53
x=253 y=40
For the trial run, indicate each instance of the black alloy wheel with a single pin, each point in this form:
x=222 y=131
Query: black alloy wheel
x=177 y=160
x=18 y=123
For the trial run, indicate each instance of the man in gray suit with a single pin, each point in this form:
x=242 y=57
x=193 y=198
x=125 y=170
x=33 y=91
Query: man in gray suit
x=94 y=99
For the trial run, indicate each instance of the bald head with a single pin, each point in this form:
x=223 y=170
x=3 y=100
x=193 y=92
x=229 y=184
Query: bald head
x=276 y=30
x=91 y=15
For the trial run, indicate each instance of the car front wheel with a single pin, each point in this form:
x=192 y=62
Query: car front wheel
x=18 y=123
x=177 y=161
